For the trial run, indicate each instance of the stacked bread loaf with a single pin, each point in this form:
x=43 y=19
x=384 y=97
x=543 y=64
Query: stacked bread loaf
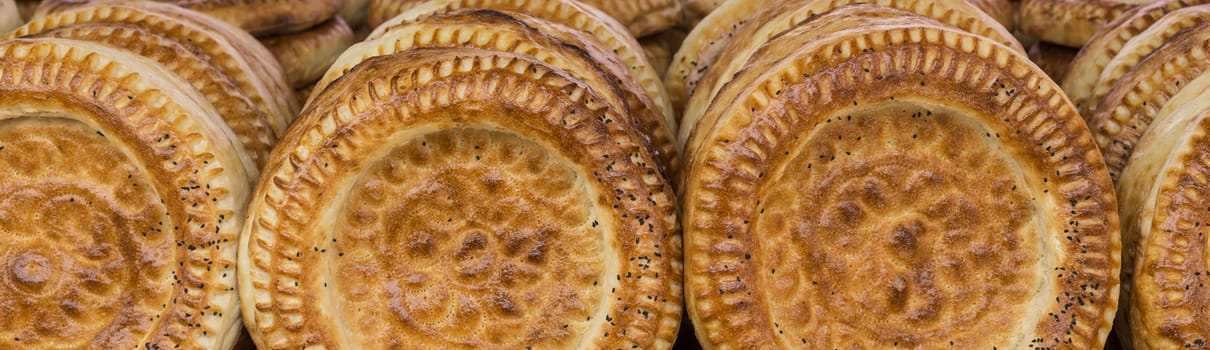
x=886 y=175
x=509 y=174
x=472 y=176
x=1139 y=84
x=130 y=140
x=304 y=36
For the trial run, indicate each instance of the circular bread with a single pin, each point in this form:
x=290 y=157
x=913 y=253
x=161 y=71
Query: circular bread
x=561 y=47
x=849 y=17
x=9 y=16
x=1163 y=191
x=1055 y=60
x=786 y=27
x=1102 y=47
x=461 y=198
x=1143 y=45
x=706 y=42
x=1070 y=22
x=900 y=185
x=305 y=56
x=573 y=14
x=1126 y=111
x=255 y=133
x=259 y=17
x=121 y=197
x=254 y=70
x=640 y=17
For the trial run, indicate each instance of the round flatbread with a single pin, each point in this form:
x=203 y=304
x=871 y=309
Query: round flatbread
x=174 y=51
x=1086 y=68
x=573 y=14
x=640 y=17
x=1070 y=23
x=259 y=17
x=761 y=31
x=1163 y=209
x=559 y=46
x=384 y=224
x=307 y=55
x=1127 y=110
x=902 y=184
x=121 y=196
x=705 y=43
x=238 y=54
x=1142 y=45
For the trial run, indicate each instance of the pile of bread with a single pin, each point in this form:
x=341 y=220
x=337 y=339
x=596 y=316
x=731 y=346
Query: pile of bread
x=640 y=174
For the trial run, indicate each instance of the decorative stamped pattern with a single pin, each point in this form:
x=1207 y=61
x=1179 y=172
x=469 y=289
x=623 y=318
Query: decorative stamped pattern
x=948 y=160
x=1129 y=108
x=506 y=183
x=573 y=14
x=1088 y=65
x=121 y=204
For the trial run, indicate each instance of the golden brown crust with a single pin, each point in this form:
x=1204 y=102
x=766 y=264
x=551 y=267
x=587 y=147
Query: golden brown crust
x=307 y=55
x=900 y=185
x=259 y=17
x=122 y=200
x=640 y=17
x=704 y=44
x=1143 y=45
x=643 y=17
x=559 y=46
x=234 y=51
x=1055 y=60
x=1070 y=22
x=9 y=16
x=1163 y=195
x=1127 y=110
x=1102 y=47
x=218 y=43
x=573 y=14
x=425 y=144
x=255 y=133
x=775 y=28
x=268 y=17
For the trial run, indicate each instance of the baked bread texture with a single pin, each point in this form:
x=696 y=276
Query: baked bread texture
x=459 y=197
x=259 y=17
x=123 y=197
x=199 y=55
x=896 y=182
